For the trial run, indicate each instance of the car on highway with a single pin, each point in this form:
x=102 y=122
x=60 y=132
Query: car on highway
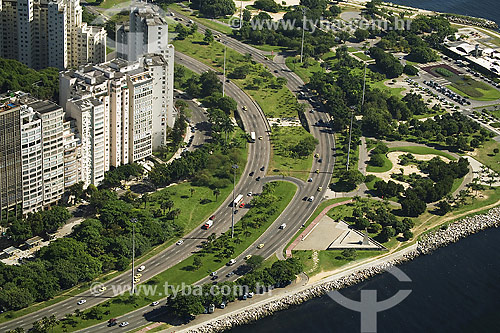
x=215 y=277
x=316 y=171
x=179 y=242
x=137 y=280
x=250 y=295
x=242 y=205
x=102 y=289
x=260 y=246
x=229 y=274
x=249 y=194
x=257 y=179
x=316 y=155
x=213 y=273
x=138 y=275
x=140 y=269
x=155 y=303
x=251 y=173
x=310 y=180
x=248 y=257
x=283 y=226
x=320 y=160
x=320 y=188
x=244 y=108
x=112 y=322
x=260 y=137
x=263 y=168
x=231 y=262
x=82 y=301
x=311 y=198
x=123 y=324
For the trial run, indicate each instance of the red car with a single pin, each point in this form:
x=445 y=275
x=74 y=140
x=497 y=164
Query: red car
x=242 y=205
x=212 y=217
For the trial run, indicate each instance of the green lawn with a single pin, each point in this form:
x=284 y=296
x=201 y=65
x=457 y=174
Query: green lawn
x=282 y=162
x=329 y=260
x=184 y=272
x=381 y=86
x=260 y=84
x=306 y=70
x=384 y=168
x=370 y=185
x=486 y=156
x=106 y=4
x=420 y=150
x=362 y=56
x=475 y=90
x=206 y=22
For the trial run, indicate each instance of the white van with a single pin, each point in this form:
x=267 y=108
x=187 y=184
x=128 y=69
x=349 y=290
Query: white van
x=283 y=226
x=311 y=198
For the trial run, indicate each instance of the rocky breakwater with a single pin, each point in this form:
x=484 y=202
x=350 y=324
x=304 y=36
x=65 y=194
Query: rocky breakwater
x=429 y=242
x=468 y=20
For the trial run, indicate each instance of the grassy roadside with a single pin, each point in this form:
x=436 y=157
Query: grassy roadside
x=328 y=260
x=206 y=22
x=184 y=272
x=276 y=100
x=486 y=156
x=283 y=138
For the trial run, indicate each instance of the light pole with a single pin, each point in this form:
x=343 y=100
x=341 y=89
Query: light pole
x=303 y=33
x=352 y=116
x=134 y=221
x=241 y=13
x=235 y=166
x=224 y=73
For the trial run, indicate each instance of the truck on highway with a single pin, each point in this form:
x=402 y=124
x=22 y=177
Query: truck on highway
x=208 y=224
x=238 y=200
x=252 y=136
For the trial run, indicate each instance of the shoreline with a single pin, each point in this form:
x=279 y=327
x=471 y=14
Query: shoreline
x=427 y=244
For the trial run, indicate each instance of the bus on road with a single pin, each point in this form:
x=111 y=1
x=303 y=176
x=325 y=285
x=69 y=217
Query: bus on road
x=238 y=200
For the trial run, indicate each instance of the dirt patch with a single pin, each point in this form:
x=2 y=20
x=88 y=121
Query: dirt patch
x=407 y=169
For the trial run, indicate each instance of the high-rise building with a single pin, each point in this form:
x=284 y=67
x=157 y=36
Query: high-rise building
x=11 y=186
x=72 y=154
x=146 y=32
x=135 y=98
x=31 y=152
x=49 y=33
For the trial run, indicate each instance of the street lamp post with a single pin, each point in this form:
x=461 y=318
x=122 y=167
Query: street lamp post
x=241 y=13
x=134 y=221
x=224 y=74
x=303 y=33
x=235 y=166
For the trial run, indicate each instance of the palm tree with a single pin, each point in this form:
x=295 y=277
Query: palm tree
x=216 y=192
x=145 y=198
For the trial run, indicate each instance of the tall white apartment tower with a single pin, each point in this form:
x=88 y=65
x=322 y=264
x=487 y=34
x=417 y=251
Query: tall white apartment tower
x=146 y=32
x=43 y=33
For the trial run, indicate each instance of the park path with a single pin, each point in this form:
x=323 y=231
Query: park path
x=312 y=225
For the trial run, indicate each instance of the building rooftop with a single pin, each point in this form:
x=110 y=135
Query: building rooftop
x=44 y=106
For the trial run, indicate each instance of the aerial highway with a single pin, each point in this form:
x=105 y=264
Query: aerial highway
x=258 y=157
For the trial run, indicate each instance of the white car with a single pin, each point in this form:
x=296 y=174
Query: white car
x=123 y=324
x=155 y=303
x=283 y=226
x=249 y=194
x=180 y=242
x=82 y=301
x=140 y=269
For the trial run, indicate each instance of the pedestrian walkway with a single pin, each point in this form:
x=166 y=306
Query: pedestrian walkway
x=311 y=226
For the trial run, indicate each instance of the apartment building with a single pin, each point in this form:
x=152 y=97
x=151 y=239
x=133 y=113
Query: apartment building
x=49 y=33
x=72 y=154
x=31 y=152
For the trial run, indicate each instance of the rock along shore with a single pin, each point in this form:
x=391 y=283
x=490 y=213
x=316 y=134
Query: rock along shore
x=428 y=243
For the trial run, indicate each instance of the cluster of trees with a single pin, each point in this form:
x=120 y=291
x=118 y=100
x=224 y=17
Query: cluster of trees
x=386 y=62
x=377 y=157
x=273 y=33
x=186 y=306
x=183 y=32
x=94 y=247
x=436 y=186
x=113 y=178
x=381 y=221
x=15 y=76
x=267 y=5
x=38 y=223
x=214 y=8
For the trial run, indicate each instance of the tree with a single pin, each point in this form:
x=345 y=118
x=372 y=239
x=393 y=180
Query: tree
x=193 y=29
x=182 y=31
x=422 y=54
x=254 y=262
x=386 y=234
x=185 y=306
x=216 y=192
x=197 y=263
x=407 y=235
x=247 y=15
x=267 y=5
x=215 y=8
x=209 y=37
x=410 y=70
x=377 y=160
x=361 y=34
x=444 y=207
x=495 y=151
x=349 y=254
x=411 y=205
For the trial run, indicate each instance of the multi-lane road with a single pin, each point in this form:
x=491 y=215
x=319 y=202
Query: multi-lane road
x=274 y=239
